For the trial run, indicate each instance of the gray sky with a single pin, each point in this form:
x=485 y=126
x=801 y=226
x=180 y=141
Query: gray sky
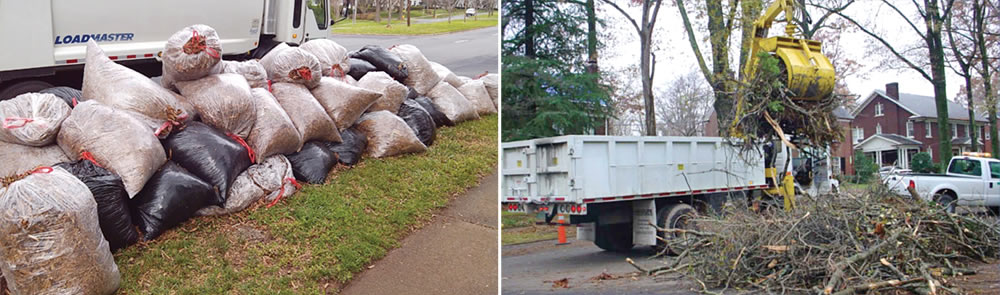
x=675 y=57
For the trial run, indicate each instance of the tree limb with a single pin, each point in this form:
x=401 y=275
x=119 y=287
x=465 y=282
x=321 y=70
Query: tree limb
x=887 y=46
x=694 y=43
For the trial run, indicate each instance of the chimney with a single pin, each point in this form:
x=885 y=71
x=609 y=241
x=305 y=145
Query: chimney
x=892 y=90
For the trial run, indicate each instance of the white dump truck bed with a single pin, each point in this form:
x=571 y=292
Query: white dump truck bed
x=591 y=169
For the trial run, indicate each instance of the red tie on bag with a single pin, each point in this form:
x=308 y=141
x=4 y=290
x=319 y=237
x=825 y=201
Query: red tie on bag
x=282 y=191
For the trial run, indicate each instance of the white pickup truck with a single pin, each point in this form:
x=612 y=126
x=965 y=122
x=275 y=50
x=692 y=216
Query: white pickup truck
x=969 y=181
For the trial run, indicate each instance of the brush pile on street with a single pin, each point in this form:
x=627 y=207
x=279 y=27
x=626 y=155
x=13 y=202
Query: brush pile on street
x=85 y=173
x=863 y=243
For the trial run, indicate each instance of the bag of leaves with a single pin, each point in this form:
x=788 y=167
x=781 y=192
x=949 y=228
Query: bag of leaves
x=273 y=132
x=70 y=95
x=452 y=103
x=446 y=74
x=190 y=54
x=32 y=118
x=421 y=75
x=475 y=92
x=271 y=178
x=419 y=120
x=171 y=197
x=223 y=101
x=17 y=159
x=115 y=140
x=359 y=67
x=388 y=135
x=306 y=113
x=213 y=156
x=383 y=60
x=292 y=65
x=332 y=57
x=112 y=202
x=392 y=92
x=344 y=103
x=440 y=119
x=350 y=151
x=313 y=163
x=492 y=82
x=52 y=241
x=251 y=70
x=122 y=88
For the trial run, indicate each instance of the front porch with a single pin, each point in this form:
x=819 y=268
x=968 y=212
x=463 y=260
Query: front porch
x=889 y=149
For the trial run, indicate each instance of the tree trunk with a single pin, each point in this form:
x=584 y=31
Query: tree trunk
x=592 y=54
x=935 y=50
x=973 y=134
x=378 y=12
x=645 y=64
x=984 y=57
x=719 y=37
x=529 y=28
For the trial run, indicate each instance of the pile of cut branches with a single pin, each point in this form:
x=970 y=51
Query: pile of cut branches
x=844 y=244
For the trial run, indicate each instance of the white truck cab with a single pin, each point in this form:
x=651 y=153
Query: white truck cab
x=969 y=181
x=47 y=38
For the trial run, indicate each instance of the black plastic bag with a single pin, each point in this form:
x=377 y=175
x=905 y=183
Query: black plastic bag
x=411 y=93
x=70 y=95
x=419 y=120
x=209 y=154
x=313 y=162
x=359 y=68
x=440 y=119
x=171 y=196
x=349 y=151
x=383 y=60
x=112 y=202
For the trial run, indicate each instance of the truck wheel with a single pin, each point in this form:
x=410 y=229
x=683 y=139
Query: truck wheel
x=678 y=216
x=22 y=88
x=946 y=200
x=614 y=237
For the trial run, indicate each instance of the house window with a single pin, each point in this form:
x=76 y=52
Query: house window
x=966 y=130
x=878 y=110
x=859 y=134
x=927 y=125
x=954 y=130
x=878 y=128
x=909 y=129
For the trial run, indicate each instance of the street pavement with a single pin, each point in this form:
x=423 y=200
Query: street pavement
x=467 y=53
x=455 y=254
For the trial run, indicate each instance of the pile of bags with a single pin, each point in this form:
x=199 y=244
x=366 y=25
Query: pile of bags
x=125 y=159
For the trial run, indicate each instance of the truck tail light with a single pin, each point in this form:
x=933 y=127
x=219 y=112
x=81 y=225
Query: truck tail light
x=912 y=184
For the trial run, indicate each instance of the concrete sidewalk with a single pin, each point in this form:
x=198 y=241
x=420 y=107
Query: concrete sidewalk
x=455 y=254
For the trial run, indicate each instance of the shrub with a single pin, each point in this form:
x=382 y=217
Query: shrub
x=864 y=167
x=921 y=163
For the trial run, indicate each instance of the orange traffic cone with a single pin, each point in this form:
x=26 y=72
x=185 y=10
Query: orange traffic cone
x=562 y=230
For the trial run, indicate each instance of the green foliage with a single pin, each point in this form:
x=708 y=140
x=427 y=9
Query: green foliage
x=864 y=167
x=922 y=163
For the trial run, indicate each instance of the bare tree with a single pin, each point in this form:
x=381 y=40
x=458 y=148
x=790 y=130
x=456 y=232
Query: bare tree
x=645 y=26
x=960 y=28
x=685 y=106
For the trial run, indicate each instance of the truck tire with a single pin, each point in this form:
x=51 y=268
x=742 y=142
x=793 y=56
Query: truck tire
x=946 y=200
x=22 y=88
x=614 y=237
x=679 y=216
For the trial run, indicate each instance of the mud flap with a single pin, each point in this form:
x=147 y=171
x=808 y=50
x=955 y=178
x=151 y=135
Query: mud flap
x=585 y=231
x=643 y=218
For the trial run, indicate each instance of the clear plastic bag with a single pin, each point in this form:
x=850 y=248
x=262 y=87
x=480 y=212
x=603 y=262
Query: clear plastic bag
x=190 y=54
x=475 y=92
x=392 y=92
x=273 y=132
x=332 y=57
x=440 y=119
x=422 y=76
x=447 y=75
x=251 y=70
x=223 y=101
x=268 y=180
x=19 y=159
x=115 y=140
x=492 y=82
x=32 y=118
x=344 y=103
x=122 y=88
x=51 y=239
x=306 y=113
x=292 y=65
x=452 y=103
x=388 y=135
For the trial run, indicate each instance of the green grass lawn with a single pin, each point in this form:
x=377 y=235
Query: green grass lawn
x=366 y=27
x=521 y=228
x=318 y=239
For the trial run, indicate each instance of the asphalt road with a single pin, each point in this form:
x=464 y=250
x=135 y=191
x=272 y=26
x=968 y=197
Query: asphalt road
x=455 y=254
x=534 y=267
x=467 y=53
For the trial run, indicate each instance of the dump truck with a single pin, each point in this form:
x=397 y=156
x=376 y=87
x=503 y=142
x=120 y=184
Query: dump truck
x=48 y=38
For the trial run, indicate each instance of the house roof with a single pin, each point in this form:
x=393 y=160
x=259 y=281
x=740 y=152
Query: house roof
x=965 y=141
x=894 y=138
x=921 y=106
x=842 y=113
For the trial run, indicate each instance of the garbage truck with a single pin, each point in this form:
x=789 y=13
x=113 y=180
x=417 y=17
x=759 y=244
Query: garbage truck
x=47 y=39
x=614 y=188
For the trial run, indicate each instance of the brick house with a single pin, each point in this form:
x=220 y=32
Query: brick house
x=891 y=127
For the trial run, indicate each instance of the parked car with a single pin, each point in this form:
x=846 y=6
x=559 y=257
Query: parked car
x=969 y=181
x=470 y=12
